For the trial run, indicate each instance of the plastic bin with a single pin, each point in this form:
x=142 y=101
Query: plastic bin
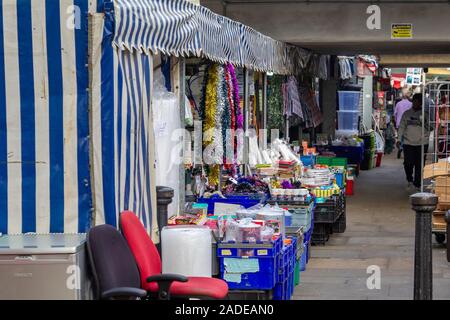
x=349 y=100
x=246 y=201
x=379 y=157
x=338 y=162
x=326 y=161
x=250 y=295
x=236 y=258
x=339 y=179
x=302 y=216
x=348 y=120
x=341 y=224
x=349 y=187
x=321 y=233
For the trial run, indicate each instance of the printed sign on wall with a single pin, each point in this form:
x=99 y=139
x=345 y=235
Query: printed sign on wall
x=401 y=31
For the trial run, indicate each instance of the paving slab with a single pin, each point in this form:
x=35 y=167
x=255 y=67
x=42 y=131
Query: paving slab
x=380 y=231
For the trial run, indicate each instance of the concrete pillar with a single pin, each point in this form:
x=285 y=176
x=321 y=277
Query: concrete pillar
x=328 y=91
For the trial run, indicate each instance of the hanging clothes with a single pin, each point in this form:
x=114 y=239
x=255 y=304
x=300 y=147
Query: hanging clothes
x=291 y=99
x=308 y=99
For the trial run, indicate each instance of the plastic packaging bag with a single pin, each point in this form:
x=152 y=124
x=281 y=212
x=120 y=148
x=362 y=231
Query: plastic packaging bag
x=267 y=233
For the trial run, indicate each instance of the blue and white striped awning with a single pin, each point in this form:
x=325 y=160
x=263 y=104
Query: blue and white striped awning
x=181 y=28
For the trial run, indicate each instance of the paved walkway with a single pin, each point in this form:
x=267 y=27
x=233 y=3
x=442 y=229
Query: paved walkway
x=380 y=231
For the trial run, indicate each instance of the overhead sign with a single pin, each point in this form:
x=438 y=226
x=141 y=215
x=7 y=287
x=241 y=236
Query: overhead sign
x=401 y=31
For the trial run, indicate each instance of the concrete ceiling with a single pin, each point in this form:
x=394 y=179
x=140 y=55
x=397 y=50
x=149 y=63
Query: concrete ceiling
x=340 y=27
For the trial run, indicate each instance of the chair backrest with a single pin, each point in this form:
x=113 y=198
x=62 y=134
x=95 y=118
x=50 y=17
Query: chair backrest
x=111 y=261
x=144 y=250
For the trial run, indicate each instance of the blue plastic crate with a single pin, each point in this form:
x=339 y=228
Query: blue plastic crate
x=247 y=201
x=278 y=291
x=249 y=266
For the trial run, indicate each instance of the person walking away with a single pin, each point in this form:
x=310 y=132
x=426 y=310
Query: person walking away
x=399 y=110
x=390 y=136
x=410 y=132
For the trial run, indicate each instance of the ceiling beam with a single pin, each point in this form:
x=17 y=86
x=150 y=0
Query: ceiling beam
x=415 y=60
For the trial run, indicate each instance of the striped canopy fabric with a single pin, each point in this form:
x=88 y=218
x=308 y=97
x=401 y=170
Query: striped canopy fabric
x=45 y=183
x=122 y=134
x=181 y=28
x=75 y=132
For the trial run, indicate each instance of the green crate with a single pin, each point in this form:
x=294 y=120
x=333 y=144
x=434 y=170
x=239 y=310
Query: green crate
x=326 y=161
x=338 y=162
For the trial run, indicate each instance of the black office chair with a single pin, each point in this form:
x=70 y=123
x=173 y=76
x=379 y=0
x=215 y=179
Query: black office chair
x=113 y=267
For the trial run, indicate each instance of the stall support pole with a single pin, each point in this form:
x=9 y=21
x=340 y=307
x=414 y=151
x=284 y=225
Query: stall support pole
x=164 y=197
x=179 y=78
x=246 y=120
x=447 y=219
x=423 y=204
x=286 y=128
x=264 y=99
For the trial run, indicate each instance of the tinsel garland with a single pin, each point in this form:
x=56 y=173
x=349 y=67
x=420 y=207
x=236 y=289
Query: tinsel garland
x=203 y=97
x=220 y=110
x=209 y=116
x=231 y=112
x=237 y=107
x=237 y=102
x=218 y=141
x=226 y=116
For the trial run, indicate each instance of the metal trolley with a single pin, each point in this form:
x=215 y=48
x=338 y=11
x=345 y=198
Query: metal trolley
x=436 y=101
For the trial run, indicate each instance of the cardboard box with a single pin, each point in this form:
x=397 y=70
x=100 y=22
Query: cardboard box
x=442 y=188
x=441 y=168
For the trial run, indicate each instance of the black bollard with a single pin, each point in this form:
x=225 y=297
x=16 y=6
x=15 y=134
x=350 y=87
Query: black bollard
x=164 y=197
x=424 y=204
x=447 y=219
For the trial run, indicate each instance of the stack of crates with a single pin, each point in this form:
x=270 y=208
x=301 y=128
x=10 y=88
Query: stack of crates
x=284 y=288
x=325 y=217
x=250 y=266
x=369 y=161
x=302 y=216
x=301 y=252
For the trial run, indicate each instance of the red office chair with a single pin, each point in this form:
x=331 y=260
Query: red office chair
x=149 y=264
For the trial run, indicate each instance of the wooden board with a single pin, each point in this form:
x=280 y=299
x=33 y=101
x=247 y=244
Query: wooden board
x=439 y=222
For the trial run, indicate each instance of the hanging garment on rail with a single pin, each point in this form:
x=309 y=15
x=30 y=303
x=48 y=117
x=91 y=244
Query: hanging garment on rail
x=291 y=99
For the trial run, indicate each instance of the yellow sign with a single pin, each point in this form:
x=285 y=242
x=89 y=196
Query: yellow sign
x=226 y=252
x=401 y=31
x=262 y=253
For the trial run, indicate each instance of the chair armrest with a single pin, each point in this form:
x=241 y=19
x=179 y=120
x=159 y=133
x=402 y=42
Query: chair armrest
x=167 y=277
x=164 y=282
x=123 y=292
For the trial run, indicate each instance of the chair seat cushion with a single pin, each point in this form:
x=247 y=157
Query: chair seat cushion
x=196 y=287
